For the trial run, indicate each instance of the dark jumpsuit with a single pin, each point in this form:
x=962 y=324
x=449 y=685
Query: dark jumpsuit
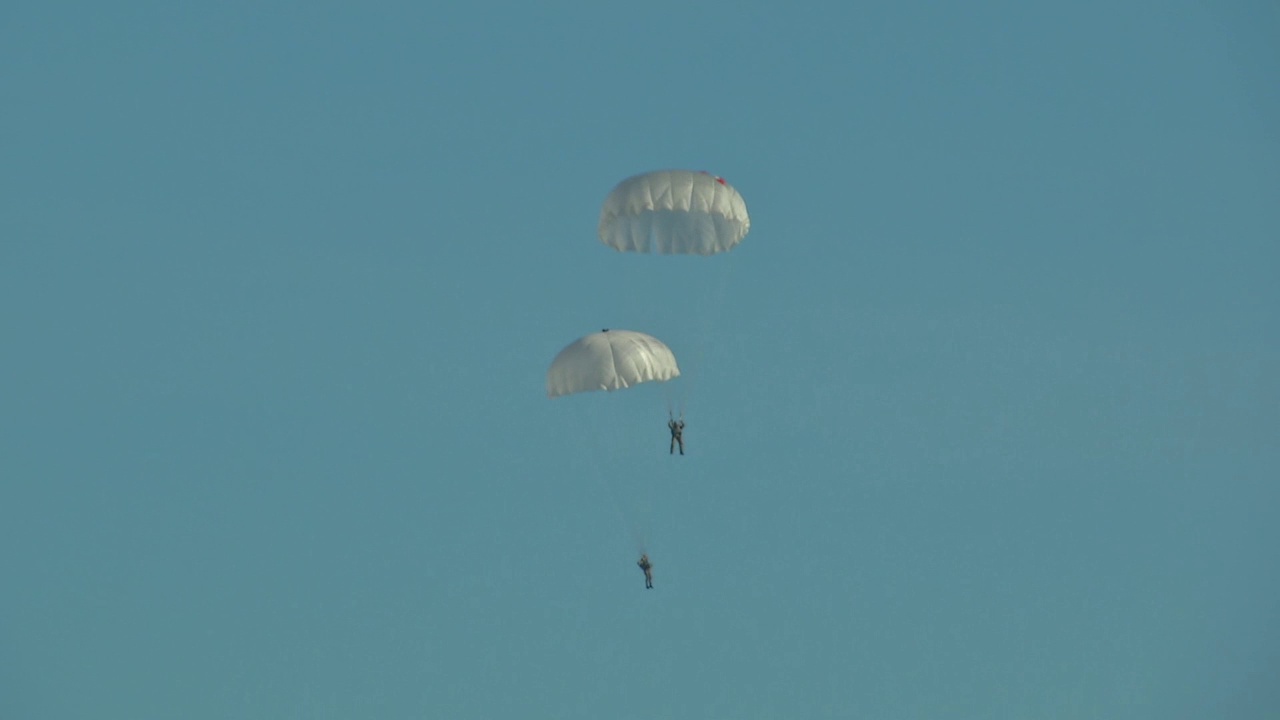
x=677 y=435
x=647 y=567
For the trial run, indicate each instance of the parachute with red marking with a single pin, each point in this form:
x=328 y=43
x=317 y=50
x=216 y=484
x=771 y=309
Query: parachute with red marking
x=674 y=212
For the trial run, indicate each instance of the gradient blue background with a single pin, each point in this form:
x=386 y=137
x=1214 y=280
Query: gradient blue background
x=986 y=421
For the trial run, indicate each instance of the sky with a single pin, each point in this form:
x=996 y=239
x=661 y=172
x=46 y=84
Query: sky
x=979 y=414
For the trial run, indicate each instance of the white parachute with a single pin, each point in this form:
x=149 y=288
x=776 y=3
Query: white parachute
x=674 y=212
x=610 y=360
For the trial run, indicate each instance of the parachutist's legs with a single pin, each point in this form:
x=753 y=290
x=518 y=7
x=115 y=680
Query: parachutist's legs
x=673 y=446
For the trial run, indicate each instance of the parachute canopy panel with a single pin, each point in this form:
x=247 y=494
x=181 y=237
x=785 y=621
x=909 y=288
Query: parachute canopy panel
x=674 y=212
x=610 y=360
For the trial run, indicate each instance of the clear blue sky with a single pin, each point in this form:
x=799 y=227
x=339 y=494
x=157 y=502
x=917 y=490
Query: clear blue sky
x=984 y=418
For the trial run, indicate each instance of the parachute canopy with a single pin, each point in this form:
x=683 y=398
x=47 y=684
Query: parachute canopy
x=674 y=212
x=610 y=360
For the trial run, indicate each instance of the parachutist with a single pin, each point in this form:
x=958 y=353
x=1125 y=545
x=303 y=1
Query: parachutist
x=677 y=434
x=647 y=567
